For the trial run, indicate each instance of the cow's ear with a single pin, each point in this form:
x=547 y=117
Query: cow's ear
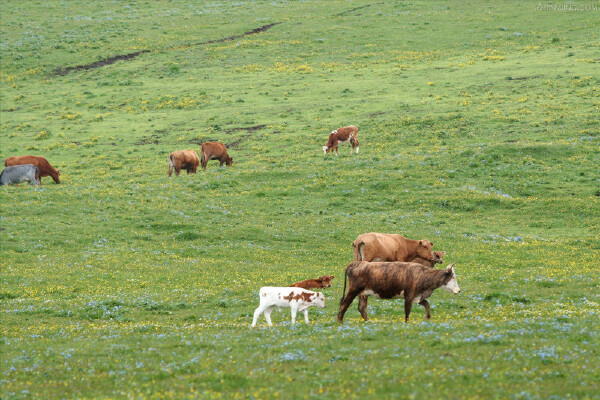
x=443 y=253
x=431 y=244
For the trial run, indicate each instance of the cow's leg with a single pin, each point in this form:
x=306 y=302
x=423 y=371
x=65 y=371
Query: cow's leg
x=356 y=143
x=425 y=304
x=305 y=312
x=362 y=306
x=294 y=310
x=257 y=312
x=346 y=302
x=407 y=307
x=268 y=315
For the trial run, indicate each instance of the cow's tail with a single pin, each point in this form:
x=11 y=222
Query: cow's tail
x=344 y=291
x=357 y=246
x=203 y=160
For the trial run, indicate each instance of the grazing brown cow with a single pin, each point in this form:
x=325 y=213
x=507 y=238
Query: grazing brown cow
x=321 y=282
x=184 y=159
x=345 y=134
x=377 y=246
x=44 y=167
x=390 y=280
x=215 y=151
x=438 y=259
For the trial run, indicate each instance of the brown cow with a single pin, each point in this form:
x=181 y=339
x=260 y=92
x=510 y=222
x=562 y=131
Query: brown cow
x=438 y=259
x=44 y=167
x=184 y=159
x=345 y=134
x=215 y=151
x=377 y=246
x=390 y=280
x=321 y=282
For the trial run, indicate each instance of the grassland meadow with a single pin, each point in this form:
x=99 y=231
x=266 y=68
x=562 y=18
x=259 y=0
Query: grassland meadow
x=479 y=130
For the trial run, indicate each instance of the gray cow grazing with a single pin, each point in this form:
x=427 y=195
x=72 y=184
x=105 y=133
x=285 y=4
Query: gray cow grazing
x=18 y=174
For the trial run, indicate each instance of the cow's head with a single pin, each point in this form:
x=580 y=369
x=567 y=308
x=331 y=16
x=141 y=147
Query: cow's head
x=326 y=280
x=451 y=285
x=439 y=256
x=330 y=142
x=229 y=161
x=319 y=300
x=424 y=250
x=55 y=175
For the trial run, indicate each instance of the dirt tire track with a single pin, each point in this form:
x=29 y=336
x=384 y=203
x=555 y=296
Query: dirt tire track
x=354 y=9
x=101 y=63
x=60 y=71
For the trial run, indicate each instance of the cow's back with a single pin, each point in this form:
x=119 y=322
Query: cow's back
x=379 y=246
x=213 y=149
x=22 y=160
x=348 y=131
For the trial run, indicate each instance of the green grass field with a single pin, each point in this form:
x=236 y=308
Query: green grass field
x=479 y=129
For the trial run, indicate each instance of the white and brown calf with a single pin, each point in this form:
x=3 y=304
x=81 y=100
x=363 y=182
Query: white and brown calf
x=294 y=298
x=347 y=134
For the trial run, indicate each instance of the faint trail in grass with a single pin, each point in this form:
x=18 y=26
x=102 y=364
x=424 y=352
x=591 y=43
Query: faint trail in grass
x=101 y=63
x=60 y=71
x=233 y=37
x=235 y=143
x=354 y=9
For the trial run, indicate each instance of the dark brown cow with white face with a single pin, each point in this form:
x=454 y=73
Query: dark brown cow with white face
x=321 y=282
x=391 y=280
x=342 y=135
x=44 y=167
x=215 y=151
x=184 y=159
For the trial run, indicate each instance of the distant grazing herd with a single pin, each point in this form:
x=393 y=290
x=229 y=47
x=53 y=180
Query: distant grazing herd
x=386 y=266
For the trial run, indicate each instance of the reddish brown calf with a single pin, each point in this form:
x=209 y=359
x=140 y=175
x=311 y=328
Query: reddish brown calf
x=321 y=282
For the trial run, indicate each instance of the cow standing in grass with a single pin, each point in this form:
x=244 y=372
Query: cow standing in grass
x=215 y=151
x=18 y=174
x=377 y=246
x=390 y=280
x=347 y=134
x=43 y=166
x=184 y=159
x=296 y=299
